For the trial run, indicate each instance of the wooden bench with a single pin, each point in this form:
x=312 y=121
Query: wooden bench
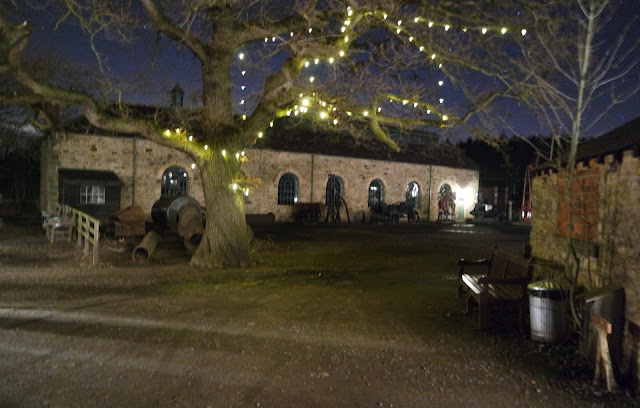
x=497 y=281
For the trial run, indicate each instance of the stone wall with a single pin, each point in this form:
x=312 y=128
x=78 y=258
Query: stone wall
x=613 y=257
x=77 y=151
x=312 y=172
x=116 y=153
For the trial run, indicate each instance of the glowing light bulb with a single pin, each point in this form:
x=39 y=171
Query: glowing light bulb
x=241 y=56
x=206 y=147
x=312 y=79
x=266 y=39
x=404 y=102
x=399 y=22
x=306 y=64
x=441 y=100
x=323 y=115
x=260 y=134
x=430 y=24
x=445 y=117
x=244 y=73
x=193 y=165
x=484 y=31
x=305 y=102
x=310 y=30
x=415 y=20
x=347 y=22
x=349 y=12
x=315 y=61
x=237 y=155
x=365 y=113
x=433 y=56
x=335 y=121
x=291 y=34
x=242 y=102
x=398 y=31
x=167 y=132
x=464 y=29
x=224 y=153
x=504 y=30
x=343 y=29
x=331 y=60
x=447 y=27
x=385 y=16
x=410 y=39
x=415 y=104
x=244 y=117
x=524 y=32
x=342 y=53
x=348 y=113
x=346 y=38
x=242 y=87
x=428 y=111
x=270 y=125
x=190 y=138
x=440 y=83
x=273 y=39
x=421 y=48
x=242 y=153
x=379 y=109
x=234 y=186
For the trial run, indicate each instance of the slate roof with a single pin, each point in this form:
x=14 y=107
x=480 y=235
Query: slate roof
x=625 y=137
x=85 y=175
x=309 y=139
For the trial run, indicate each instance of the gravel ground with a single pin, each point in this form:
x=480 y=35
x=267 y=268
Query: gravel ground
x=329 y=316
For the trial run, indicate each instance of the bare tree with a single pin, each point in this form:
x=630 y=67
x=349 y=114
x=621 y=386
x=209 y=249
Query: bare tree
x=346 y=64
x=572 y=72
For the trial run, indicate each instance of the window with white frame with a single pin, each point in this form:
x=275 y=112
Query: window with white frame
x=412 y=195
x=175 y=182
x=376 y=193
x=92 y=194
x=288 y=189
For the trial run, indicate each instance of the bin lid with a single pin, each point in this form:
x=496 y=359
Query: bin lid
x=544 y=285
x=546 y=289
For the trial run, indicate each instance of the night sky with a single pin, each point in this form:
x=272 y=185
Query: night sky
x=152 y=66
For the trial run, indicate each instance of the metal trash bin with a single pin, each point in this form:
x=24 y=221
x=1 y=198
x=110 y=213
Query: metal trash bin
x=548 y=312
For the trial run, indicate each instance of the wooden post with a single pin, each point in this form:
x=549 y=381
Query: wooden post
x=603 y=359
x=96 y=243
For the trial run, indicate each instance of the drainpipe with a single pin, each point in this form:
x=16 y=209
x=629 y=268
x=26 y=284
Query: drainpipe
x=133 y=175
x=429 y=201
x=312 y=165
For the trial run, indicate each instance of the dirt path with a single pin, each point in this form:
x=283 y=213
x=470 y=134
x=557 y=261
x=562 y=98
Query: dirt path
x=330 y=316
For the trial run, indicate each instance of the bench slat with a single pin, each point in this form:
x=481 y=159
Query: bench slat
x=501 y=266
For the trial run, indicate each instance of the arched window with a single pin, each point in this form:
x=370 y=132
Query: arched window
x=376 y=193
x=288 y=189
x=175 y=182
x=412 y=196
x=335 y=191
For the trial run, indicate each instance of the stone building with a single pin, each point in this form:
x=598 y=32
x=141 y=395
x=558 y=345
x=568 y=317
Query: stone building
x=606 y=223
x=294 y=167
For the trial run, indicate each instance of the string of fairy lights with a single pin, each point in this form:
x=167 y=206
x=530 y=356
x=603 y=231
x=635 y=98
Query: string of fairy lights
x=328 y=111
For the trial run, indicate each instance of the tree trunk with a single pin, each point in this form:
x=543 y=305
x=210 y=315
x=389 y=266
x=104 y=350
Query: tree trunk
x=225 y=241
